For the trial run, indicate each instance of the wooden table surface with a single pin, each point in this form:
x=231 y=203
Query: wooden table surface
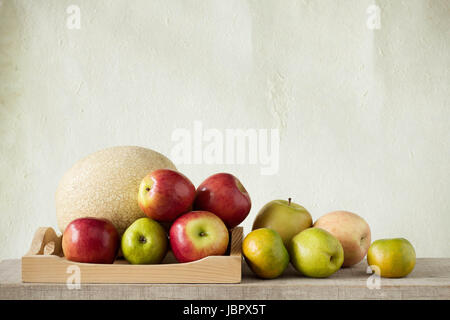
x=429 y=280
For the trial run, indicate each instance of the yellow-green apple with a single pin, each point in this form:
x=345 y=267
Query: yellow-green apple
x=352 y=231
x=198 y=234
x=165 y=194
x=394 y=258
x=316 y=253
x=285 y=217
x=90 y=240
x=225 y=196
x=144 y=242
x=265 y=253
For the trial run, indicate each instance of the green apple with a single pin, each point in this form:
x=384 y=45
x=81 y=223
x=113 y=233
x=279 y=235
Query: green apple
x=285 y=217
x=144 y=242
x=316 y=253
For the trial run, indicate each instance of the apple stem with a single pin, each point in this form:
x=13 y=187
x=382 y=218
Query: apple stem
x=289 y=199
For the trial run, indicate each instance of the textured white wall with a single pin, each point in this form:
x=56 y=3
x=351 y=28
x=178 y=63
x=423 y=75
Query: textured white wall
x=363 y=114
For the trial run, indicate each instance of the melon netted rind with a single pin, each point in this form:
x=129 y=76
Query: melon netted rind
x=105 y=184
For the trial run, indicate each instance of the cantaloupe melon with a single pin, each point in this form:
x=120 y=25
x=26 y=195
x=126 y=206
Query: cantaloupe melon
x=105 y=184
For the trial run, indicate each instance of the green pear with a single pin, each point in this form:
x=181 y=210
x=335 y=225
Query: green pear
x=316 y=253
x=285 y=217
x=144 y=242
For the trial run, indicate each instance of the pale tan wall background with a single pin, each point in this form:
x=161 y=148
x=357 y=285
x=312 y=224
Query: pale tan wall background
x=363 y=114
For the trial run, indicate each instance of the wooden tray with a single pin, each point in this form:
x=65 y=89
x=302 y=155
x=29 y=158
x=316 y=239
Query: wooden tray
x=45 y=262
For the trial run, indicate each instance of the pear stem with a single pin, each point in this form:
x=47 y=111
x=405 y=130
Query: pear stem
x=289 y=199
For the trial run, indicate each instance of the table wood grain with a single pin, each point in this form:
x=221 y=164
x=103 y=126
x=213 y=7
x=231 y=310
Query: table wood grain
x=429 y=280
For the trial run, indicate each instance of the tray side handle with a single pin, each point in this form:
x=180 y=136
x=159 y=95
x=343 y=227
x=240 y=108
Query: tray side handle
x=45 y=242
x=236 y=241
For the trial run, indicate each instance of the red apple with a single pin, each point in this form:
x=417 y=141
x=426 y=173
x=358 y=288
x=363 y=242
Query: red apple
x=90 y=240
x=198 y=234
x=166 y=194
x=225 y=196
